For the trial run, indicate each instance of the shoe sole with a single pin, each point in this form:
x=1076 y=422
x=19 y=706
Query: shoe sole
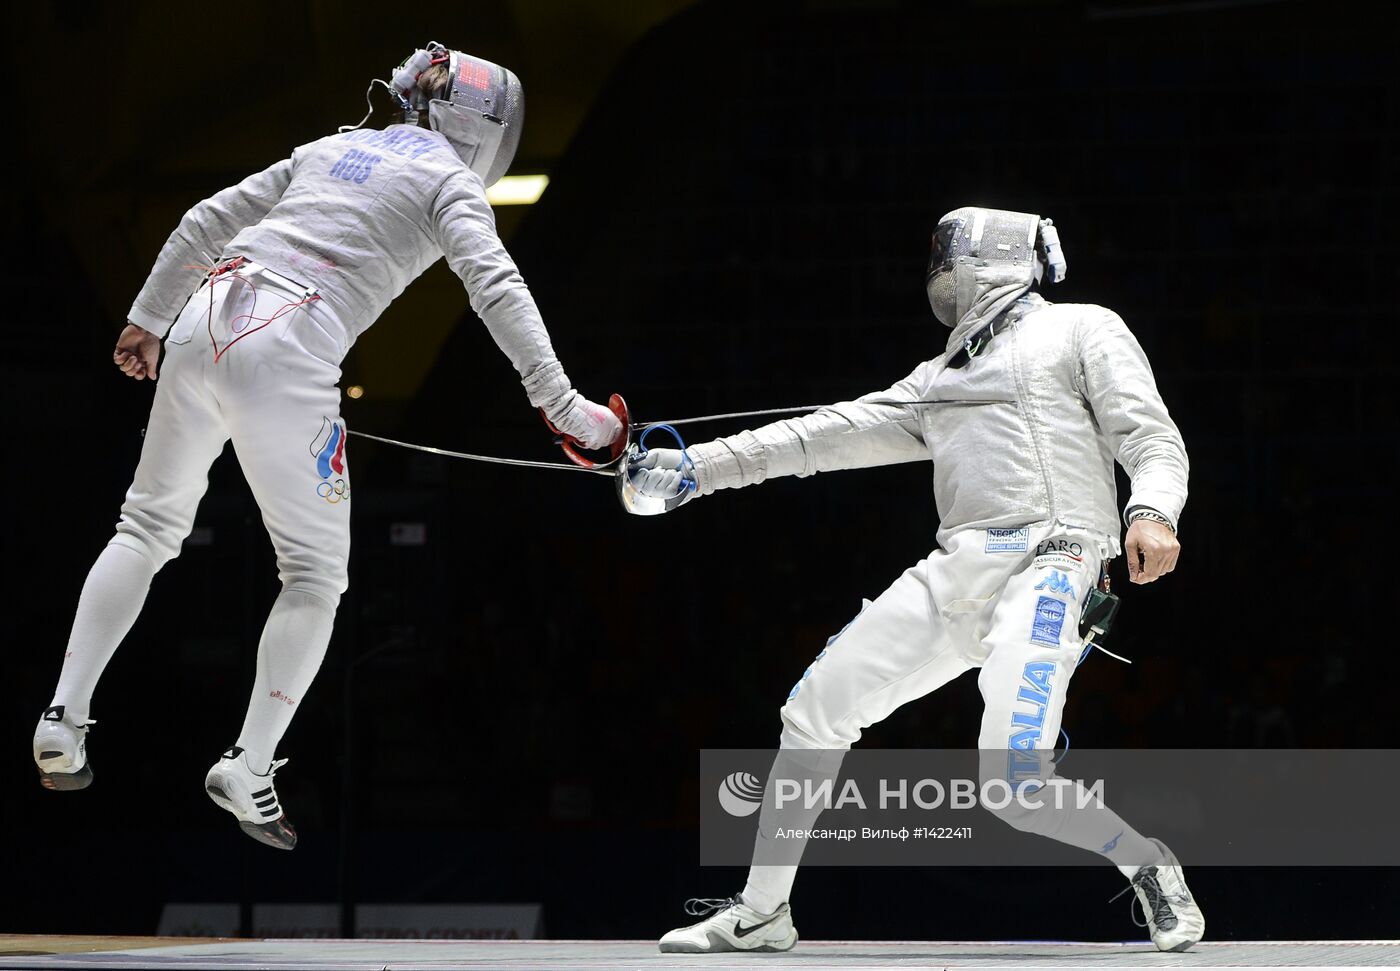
x=66 y=781
x=278 y=834
x=719 y=945
x=696 y=949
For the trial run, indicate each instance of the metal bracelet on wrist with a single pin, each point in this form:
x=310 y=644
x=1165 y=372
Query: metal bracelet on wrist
x=1151 y=515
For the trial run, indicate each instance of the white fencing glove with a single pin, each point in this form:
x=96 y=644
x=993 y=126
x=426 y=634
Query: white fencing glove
x=569 y=413
x=592 y=424
x=663 y=473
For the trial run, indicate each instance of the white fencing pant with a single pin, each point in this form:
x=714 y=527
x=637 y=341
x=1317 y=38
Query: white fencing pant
x=247 y=360
x=1007 y=601
x=1007 y=611
x=271 y=388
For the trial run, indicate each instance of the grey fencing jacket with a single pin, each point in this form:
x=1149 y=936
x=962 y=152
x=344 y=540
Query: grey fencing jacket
x=358 y=216
x=1025 y=433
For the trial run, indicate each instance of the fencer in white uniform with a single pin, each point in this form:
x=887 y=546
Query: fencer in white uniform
x=1023 y=416
x=287 y=269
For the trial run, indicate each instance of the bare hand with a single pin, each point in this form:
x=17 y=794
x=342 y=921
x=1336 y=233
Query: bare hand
x=137 y=353
x=1152 y=551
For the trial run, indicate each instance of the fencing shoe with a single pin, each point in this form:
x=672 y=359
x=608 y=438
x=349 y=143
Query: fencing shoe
x=251 y=798
x=1172 y=916
x=60 y=751
x=731 y=925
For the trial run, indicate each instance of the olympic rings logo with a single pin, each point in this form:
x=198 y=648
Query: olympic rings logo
x=334 y=492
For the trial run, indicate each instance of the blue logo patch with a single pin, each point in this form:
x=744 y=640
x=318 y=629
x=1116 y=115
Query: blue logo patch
x=1049 y=618
x=1008 y=540
x=1057 y=582
x=808 y=673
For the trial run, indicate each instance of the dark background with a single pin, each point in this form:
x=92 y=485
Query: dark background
x=738 y=217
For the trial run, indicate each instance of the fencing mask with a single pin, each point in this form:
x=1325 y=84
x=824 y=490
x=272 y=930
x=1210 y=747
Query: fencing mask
x=972 y=237
x=481 y=112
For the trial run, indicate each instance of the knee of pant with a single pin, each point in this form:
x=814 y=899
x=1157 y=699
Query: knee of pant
x=806 y=725
x=808 y=762
x=156 y=545
x=1013 y=785
x=319 y=588
x=325 y=577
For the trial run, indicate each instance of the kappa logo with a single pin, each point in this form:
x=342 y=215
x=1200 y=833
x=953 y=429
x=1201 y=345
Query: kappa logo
x=1057 y=582
x=328 y=448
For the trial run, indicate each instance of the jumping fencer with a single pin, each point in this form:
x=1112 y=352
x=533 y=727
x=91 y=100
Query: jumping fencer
x=287 y=269
x=1023 y=416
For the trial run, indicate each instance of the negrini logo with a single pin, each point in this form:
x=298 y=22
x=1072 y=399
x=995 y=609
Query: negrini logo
x=740 y=793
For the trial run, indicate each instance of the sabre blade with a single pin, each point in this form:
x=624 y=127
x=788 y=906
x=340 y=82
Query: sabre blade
x=792 y=410
x=617 y=461
x=492 y=459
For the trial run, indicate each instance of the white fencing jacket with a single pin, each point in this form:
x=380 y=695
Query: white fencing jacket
x=1026 y=433
x=358 y=216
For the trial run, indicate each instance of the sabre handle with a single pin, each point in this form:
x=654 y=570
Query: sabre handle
x=616 y=450
x=688 y=483
x=632 y=498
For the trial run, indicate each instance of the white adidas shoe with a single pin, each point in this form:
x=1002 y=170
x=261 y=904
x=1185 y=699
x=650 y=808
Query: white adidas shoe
x=251 y=798
x=731 y=925
x=60 y=751
x=1172 y=916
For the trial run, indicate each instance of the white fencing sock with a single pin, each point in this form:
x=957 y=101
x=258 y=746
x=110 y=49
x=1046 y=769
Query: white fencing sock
x=112 y=596
x=768 y=887
x=289 y=655
x=1091 y=826
x=775 y=861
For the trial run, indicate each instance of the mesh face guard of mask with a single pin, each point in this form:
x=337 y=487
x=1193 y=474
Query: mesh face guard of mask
x=983 y=236
x=481 y=112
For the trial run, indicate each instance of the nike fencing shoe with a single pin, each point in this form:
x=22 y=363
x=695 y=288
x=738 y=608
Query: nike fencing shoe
x=60 y=751
x=1172 y=916
x=251 y=798
x=731 y=925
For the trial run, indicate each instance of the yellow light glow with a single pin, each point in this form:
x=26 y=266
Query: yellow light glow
x=355 y=391
x=517 y=190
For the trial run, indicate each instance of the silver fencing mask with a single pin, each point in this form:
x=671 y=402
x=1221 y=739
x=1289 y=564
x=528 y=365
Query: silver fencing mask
x=973 y=237
x=481 y=112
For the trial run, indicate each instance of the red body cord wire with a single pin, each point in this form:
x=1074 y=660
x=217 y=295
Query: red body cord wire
x=231 y=269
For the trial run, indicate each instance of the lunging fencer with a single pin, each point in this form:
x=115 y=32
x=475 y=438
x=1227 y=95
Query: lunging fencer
x=296 y=262
x=1023 y=416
